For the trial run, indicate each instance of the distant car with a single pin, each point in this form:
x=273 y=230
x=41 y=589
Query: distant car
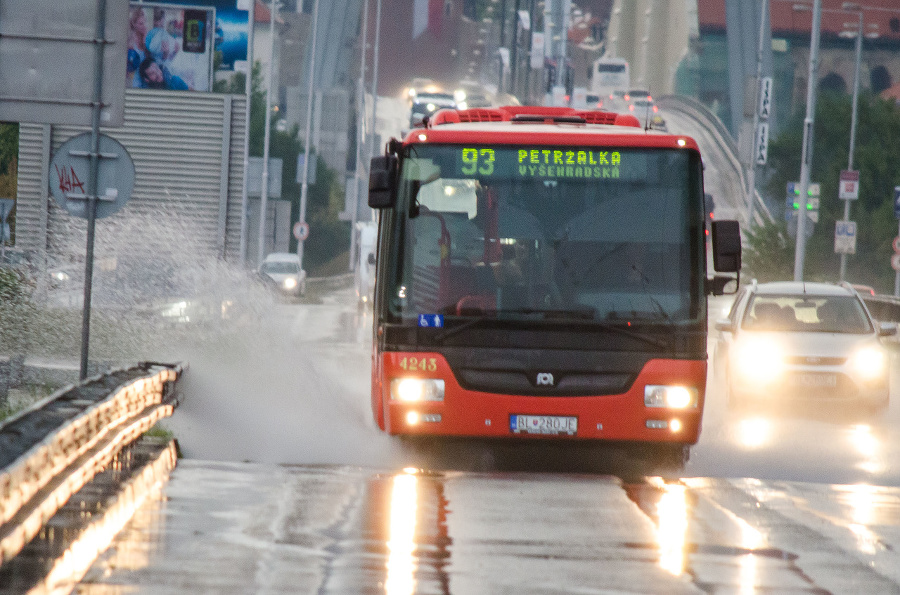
x=426 y=104
x=642 y=106
x=594 y=102
x=813 y=342
x=616 y=101
x=470 y=94
x=283 y=268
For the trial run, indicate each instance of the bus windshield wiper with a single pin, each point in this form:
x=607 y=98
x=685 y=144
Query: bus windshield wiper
x=579 y=313
x=588 y=313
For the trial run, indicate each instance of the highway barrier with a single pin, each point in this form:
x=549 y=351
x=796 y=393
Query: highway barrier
x=49 y=451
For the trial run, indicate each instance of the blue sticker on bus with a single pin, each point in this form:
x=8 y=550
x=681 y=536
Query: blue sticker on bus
x=431 y=320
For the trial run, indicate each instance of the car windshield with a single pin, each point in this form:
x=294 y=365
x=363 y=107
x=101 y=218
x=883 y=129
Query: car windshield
x=803 y=313
x=280 y=268
x=500 y=231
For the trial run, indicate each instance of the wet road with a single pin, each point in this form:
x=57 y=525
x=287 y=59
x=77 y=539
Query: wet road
x=286 y=486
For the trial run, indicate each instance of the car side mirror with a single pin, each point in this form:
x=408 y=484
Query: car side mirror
x=887 y=329
x=383 y=181
x=724 y=324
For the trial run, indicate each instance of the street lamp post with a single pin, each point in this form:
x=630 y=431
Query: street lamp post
x=806 y=155
x=267 y=134
x=304 y=186
x=860 y=32
x=751 y=182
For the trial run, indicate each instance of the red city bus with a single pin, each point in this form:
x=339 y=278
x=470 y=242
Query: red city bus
x=541 y=273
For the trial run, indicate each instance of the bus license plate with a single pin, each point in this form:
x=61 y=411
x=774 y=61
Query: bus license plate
x=543 y=424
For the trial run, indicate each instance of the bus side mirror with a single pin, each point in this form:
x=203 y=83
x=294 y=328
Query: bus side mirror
x=383 y=181
x=726 y=246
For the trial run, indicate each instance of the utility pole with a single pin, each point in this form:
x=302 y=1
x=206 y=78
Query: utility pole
x=248 y=94
x=304 y=186
x=375 y=74
x=514 y=54
x=806 y=154
x=360 y=134
x=859 y=39
x=264 y=196
x=502 y=43
x=751 y=182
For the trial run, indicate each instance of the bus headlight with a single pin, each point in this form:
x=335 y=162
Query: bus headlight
x=417 y=389
x=869 y=362
x=673 y=397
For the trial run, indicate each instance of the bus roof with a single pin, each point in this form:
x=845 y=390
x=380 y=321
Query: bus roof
x=514 y=125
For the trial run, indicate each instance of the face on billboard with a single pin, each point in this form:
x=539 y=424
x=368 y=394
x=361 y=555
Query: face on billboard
x=170 y=47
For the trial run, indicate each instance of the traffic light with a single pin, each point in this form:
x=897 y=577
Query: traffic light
x=792 y=200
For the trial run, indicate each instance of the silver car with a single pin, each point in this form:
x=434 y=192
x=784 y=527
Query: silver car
x=798 y=341
x=283 y=269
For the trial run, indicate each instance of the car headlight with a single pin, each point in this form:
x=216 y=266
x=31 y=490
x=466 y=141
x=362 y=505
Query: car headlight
x=417 y=389
x=673 y=397
x=758 y=359
x=869 y=362
x=289 y=283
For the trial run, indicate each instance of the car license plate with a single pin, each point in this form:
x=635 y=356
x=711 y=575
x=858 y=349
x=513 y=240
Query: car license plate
x=817 y=380
x=543 y=424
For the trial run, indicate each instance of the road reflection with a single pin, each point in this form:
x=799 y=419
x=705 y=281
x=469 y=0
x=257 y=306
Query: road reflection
x=672 y=515
x=401 y=566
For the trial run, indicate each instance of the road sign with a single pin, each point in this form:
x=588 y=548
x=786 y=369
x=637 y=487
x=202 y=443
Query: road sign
x=895 y=262
x=69 y=171
x=301 y=230
x=311 y=174
x=762 y=143
x=765 y=98
x=897 y=202
x=255 y=177
x=48 y=62
x=845 y=237
x=849 y=185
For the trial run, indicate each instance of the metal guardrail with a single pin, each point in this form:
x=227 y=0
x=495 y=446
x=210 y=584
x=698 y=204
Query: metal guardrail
x=49 y=451
x=701 y=113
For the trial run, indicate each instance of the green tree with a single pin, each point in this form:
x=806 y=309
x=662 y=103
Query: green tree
x=329 y=236
x=876 y=157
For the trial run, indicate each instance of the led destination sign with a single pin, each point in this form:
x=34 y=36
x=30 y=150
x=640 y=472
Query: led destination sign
x=541 y=163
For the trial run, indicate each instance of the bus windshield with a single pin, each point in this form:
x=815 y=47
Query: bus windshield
x=541 y=232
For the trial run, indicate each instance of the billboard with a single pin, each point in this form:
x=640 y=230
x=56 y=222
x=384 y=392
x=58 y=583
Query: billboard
x=170 y=47
x=231 y=33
